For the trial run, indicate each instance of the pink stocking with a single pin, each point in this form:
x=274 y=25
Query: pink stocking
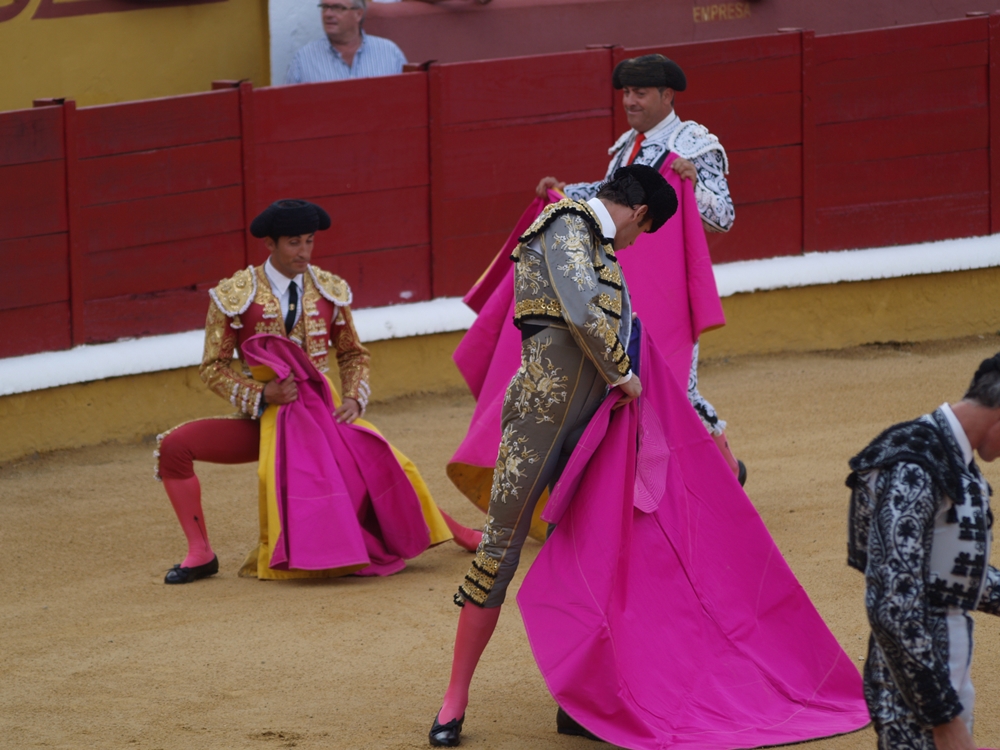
x=465 y=538
x=475 y=627
x=185 y=496
x=720 y=440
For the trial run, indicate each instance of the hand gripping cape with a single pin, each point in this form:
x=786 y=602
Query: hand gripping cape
x=660 y=611
x=672 y=287
x=334 y=498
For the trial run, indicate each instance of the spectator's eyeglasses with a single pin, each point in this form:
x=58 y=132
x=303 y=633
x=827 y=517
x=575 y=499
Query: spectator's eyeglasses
x=337 y=8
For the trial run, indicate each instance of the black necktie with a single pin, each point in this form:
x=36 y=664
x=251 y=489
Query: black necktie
x=293 y=300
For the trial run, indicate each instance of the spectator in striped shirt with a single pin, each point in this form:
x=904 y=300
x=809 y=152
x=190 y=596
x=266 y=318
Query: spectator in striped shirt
x=347 y=51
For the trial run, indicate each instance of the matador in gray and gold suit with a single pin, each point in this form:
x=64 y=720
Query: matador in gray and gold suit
x=573 y=309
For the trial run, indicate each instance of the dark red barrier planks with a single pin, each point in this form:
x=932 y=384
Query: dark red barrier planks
x=766 y=174
x=994 y=121
x=146 y=314
x=163 y=218
x=29 y=330
x=383 y=277
x=849 y=183
x=750 y=122
x=31 y=135
x=325 y=110
x=904 y=222
x=362 y=154
x=405 y=216
x=159 y=123
x=34 y=288
x=168 y=265
x=513 y=156
x=811 y=143
x=904 y=135
x=35 y=271
x=362 y=162
x=32 y=199
x=525 y=87
x=165 y=171
x=902 y=132
x=899 y=39
x=497 y=128
x=891 y=95
x=762 y=230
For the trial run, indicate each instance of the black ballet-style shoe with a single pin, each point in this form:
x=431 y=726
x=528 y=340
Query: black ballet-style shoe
x=742 y=476
x=566 y=724
x=177 y=574
x=446 y=735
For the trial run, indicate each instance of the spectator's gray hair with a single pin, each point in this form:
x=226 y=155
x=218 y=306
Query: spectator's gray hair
x=985 y=386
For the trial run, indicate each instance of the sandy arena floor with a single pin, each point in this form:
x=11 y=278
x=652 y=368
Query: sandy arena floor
x=98 y=653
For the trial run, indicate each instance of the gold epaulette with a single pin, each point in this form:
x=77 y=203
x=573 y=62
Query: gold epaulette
x=554 y=210
x=331 y=286
x=234 y=295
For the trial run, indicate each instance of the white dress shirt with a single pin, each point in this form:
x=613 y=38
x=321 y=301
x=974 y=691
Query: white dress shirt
x=280 y=284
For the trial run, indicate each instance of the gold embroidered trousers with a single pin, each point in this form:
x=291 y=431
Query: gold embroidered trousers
x=547 y=407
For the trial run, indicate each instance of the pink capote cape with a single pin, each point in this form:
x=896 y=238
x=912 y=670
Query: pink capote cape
x=343 y=499
x=660 y=611
x=672 y=287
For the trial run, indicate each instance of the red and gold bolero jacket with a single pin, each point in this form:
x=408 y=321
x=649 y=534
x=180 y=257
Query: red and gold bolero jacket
x=244 y=305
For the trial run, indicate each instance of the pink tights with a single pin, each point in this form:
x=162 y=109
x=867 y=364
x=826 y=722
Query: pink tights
x=475 y=627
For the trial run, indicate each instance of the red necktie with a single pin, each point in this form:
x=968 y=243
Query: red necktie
x=635 y=149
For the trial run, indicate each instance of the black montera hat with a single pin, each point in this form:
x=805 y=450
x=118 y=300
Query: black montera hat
x=661 y=200
x=289 y=218
x=649 y=71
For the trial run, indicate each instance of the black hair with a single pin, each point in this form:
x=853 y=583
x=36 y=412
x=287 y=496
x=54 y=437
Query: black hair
x=985 y=386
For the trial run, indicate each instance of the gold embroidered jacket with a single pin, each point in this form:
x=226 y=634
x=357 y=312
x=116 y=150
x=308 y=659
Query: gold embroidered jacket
x=566 y=271
x=244 y=305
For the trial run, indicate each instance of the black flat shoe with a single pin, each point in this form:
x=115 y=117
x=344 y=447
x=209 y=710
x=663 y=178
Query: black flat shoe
x=446 y=735
x=566 y=724
x=742 y=476
x=177 y=574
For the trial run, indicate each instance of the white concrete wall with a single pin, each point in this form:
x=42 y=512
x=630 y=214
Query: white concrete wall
x=293 y=23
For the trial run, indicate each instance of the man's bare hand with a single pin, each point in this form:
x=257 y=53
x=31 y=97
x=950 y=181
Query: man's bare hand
x=953 y=736
x=281 y=391
x=685 y=169
x=547 y=184
x=348 y=411
x=631 y=389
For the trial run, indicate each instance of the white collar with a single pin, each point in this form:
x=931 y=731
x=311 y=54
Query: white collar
x=662 y=127
x=280 y=282
x=607 y=223
x=960 y=436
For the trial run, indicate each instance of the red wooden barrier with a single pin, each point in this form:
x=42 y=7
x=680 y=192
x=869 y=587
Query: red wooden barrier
x=114 y=220
x=748 y=93
x=903 y=135
x=161 y=211
x=34 y=287
x=497 y=128
x=359 y=149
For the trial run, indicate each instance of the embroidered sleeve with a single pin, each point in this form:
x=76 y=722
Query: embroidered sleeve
x=220 y=343
x=353 y=360
x=711 y=192
x=899 y=544
x=591 y=310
